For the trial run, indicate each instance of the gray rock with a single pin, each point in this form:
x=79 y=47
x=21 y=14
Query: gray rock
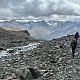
x=35 y=74
x=11 y=51
x=2 y=49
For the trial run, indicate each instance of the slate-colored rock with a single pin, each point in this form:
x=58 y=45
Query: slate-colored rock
x=33 y=73
x=2 y=49
x=11 y=51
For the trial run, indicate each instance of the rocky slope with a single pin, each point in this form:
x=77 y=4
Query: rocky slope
x=10 y=37
x=51 y=60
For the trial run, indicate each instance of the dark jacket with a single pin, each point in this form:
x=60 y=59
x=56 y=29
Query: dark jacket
x=73 y=44
x=76 y=35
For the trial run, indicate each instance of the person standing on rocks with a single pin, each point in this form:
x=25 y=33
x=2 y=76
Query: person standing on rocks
x=76 y=36
x=73 y=46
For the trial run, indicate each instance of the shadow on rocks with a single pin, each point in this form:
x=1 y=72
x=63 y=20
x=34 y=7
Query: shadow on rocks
x=31 y=74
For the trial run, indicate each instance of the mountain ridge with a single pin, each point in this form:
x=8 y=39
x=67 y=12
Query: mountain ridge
x=44 y=29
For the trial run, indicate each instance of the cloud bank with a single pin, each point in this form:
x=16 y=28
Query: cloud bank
x=38 y=8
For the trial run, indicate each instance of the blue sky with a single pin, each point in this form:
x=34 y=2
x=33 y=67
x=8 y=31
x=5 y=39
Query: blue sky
x=56 y=9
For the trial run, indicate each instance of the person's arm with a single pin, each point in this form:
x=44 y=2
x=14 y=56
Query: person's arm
x=71 y=44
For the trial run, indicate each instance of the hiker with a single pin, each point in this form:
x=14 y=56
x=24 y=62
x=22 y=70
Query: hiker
x=76 y=36
x=73 y=46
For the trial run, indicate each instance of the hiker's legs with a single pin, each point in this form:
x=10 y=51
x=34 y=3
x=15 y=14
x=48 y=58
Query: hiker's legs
x=76 y=38
x=73 y=51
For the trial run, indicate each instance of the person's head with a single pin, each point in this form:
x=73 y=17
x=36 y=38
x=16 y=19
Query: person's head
x=77 y=33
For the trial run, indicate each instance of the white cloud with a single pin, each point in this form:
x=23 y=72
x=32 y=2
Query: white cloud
x=39 y=8
x=68 y=8
x=6 y=12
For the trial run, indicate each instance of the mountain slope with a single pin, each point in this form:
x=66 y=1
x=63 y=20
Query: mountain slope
x=8 y=35
x=53 y=59
x=58 y=34
x=64 y=28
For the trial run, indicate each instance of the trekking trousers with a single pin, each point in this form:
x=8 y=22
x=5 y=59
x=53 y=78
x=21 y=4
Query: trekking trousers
x=73 y=51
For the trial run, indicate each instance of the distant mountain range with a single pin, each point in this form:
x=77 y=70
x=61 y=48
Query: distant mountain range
x=43 y=29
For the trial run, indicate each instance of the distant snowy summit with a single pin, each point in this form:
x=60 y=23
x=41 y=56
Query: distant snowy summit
x=43 y=29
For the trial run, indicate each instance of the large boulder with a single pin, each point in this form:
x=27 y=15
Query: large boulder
x=30 y=74
x=35 y=73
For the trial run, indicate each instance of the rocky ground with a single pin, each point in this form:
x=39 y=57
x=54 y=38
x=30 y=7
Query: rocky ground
x=51 y=60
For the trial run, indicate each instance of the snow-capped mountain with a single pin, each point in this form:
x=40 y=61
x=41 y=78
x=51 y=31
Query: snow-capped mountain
x=43 y=29
x=64 y=28
x=12 y=24
x=38 y=29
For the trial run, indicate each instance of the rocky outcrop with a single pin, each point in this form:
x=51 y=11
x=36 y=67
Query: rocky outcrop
x=11 y=38
x=26 y=32
x=14 y=35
